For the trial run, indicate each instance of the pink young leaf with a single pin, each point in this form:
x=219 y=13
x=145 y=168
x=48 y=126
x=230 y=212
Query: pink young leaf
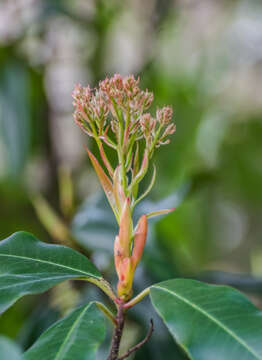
x=104 y=181
x=159 y=212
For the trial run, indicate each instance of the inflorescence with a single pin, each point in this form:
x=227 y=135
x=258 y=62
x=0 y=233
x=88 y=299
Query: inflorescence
x=116 y=115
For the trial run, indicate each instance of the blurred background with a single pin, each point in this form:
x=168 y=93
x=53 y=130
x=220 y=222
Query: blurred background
x=202 y=57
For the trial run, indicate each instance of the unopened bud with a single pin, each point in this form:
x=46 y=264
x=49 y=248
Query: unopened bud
x=125 y=229
x=164 y=115
x=126 y=275
x=118 y=255
x=139 y=240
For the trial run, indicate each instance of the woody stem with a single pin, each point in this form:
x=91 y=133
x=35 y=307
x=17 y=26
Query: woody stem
x=139 y=345
x=118 y=332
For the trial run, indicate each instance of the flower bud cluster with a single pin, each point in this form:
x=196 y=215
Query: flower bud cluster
x=125 y=92
x=116 y=114
x=156 y=130
x=91 y=110
x=121 y=105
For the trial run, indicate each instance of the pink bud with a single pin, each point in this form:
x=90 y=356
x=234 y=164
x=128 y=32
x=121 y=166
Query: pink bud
x=125 y=229
x=119 y=194
x=126 y=275
x=104 y=181
x=118 y=255
x=139 y=240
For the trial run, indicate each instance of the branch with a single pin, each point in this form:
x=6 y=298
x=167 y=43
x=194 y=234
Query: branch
x=139 y=345
x=118 y=332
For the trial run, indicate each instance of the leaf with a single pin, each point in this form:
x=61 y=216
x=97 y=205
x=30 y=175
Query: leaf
x=209 y=322
x=9 y=349
x=95 y=228
x=29 y=266
x=152 y=207
x=149 y=188
x=125 y=228
x=15 y=134
x=159 y=212
x=104 y=181
x=140 y=238
x=77 y=336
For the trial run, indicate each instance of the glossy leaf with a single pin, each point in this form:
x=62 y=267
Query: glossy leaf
x=209 y=322
x=29 y=266
x=9 y=350
x=77 y=336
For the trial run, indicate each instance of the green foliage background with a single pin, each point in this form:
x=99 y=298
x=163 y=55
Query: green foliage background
x=203 y=58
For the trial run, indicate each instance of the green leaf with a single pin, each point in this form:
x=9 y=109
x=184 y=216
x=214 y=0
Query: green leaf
x=209 y=321
x=14 y=118
x=9 y=349
x=29 y=266
x=76 y=336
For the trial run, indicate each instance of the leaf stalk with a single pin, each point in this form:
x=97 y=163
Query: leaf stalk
x=137 y=299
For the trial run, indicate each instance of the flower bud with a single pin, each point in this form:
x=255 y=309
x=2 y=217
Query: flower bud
x=164 y=115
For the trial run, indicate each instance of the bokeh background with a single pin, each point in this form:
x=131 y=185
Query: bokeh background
x=202 y=57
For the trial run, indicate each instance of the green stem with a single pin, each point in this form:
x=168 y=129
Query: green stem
x=148 y=189
x=155 y=141
x=101 y=150
x=137 y=299
x=140 y=175
x=123 y=170
x=107 y=312
x=103 y=285
x=120 y=153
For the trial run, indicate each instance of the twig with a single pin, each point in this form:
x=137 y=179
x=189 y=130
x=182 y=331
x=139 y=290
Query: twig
x=139 y=345
x=118 y=332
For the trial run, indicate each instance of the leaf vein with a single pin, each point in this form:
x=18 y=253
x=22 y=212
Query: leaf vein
x=48 y=262
x=219 y=323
